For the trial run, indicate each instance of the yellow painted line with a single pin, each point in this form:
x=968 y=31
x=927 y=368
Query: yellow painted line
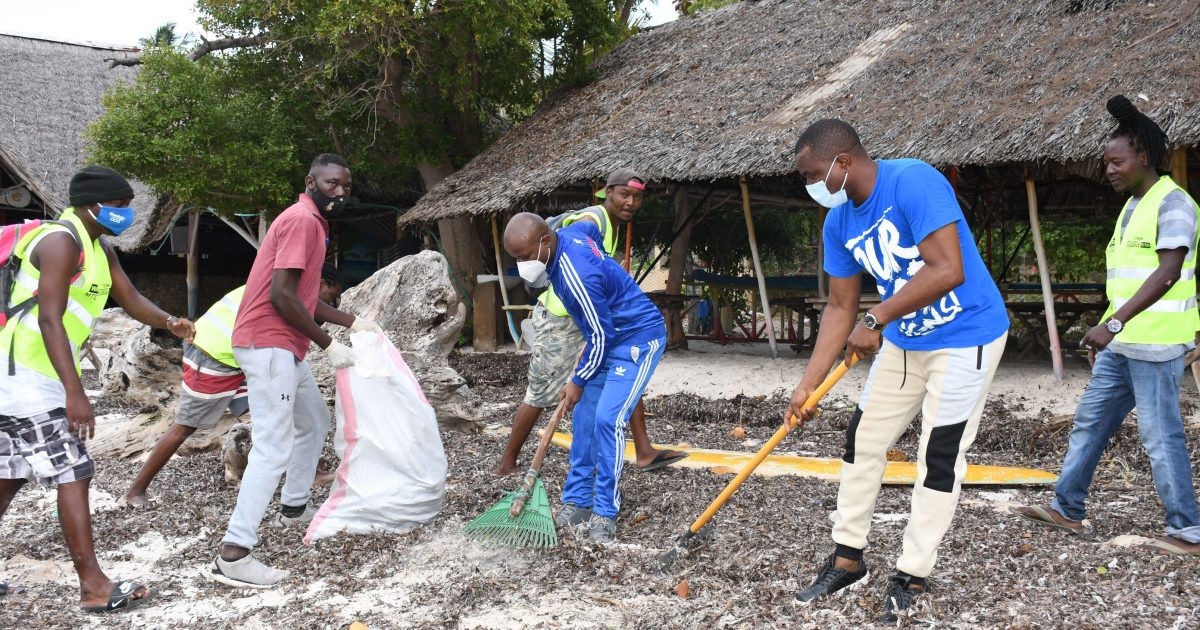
x=896 y=473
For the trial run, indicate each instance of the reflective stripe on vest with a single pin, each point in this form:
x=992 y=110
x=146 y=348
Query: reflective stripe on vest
x=85 y=300
x=214 y=329
x=1132 y=258
x=548 y=298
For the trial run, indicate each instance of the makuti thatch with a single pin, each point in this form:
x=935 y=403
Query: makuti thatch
x=725 y=93
x=52 y=91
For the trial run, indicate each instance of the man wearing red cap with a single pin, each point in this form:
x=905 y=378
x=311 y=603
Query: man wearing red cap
x=557 y=340
x=45 y=415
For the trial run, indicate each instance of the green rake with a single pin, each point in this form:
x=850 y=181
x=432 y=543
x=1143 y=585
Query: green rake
x=522 y=519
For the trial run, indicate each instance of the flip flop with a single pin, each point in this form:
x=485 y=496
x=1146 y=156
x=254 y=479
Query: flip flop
x=662 y=460
x=1046 y=516
x=1171 y=545
x=121 y=598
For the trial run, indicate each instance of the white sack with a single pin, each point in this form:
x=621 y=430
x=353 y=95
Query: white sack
x=393 y=471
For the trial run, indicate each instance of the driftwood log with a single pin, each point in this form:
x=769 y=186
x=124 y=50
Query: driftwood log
x=412 y=299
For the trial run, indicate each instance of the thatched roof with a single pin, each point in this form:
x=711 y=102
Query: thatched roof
x=51 y=92
x=725 y=93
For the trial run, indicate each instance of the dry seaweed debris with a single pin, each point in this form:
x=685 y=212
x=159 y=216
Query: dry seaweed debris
x=993 y=570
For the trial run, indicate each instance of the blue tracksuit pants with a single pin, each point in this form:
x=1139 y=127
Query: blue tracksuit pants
x=599 y=419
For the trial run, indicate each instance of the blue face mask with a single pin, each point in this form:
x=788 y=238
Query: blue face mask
x=113 y=219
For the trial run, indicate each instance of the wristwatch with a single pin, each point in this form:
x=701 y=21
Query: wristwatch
x=871 y=323
x=1114 y=325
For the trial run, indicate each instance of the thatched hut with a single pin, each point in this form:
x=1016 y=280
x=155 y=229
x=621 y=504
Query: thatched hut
x=52 y=92
x=998 y=93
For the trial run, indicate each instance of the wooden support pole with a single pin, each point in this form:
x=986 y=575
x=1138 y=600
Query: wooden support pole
x=758 y=272
x=512 y=328
x=1179 y=168
x=628 y=245
x=193 y=264
x=676 y=338
x=1039 y=248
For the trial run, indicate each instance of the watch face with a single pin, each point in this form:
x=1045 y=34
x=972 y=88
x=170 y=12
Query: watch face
x=1114 y=326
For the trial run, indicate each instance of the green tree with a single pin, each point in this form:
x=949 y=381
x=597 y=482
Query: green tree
x=398 y=87
x=194 y=130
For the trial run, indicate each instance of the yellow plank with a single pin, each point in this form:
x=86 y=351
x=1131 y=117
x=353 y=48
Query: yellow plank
x=896 y=473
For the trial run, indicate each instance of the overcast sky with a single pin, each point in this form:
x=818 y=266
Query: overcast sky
x=124 y=22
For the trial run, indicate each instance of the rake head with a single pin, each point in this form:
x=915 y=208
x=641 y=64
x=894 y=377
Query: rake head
x=533 y=527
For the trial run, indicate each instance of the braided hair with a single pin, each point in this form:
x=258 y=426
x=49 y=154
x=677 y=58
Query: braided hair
x=1143 y=134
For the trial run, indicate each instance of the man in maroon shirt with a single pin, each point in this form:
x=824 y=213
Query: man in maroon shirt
x=275 y=324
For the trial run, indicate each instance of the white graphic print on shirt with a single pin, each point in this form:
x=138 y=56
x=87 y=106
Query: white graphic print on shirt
x=879 y=251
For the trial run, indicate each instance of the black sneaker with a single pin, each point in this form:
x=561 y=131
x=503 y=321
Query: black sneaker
x=831 y=579
x=900 y=597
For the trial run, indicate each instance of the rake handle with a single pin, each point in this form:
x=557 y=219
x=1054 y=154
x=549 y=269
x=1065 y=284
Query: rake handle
x=766 y=449
x=535 y=468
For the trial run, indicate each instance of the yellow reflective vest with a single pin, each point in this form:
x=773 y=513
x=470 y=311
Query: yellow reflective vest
x=548 y=298
x=214 y=329
x=86 y=297
x=1132 y=257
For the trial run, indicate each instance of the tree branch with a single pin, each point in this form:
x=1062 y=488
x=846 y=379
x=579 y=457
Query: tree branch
x=245 y=234
x=203 y=48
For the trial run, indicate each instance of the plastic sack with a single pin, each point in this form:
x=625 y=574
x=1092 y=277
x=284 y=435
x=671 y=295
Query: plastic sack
x=392 y=476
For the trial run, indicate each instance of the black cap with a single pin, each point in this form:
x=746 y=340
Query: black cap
x=95 y=184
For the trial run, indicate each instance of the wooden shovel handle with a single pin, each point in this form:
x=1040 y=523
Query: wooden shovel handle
x=766 y=449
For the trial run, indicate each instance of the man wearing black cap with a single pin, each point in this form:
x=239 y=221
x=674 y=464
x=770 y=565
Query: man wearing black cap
x=557 y=340
x=45 y=416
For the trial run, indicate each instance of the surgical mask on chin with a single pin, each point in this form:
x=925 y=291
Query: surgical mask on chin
x=820 y=192
x=113 y=219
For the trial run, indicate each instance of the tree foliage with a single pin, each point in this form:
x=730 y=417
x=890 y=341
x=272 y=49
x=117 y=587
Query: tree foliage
x=197 y=131
x=408 y=91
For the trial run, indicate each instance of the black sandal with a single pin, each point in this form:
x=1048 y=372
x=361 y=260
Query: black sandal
x=122 y=598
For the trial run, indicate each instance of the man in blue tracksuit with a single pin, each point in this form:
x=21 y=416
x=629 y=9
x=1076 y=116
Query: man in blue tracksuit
x=625 y=337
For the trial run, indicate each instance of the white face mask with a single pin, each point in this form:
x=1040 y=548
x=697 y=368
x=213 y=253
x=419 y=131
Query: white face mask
x=820 y=192
x=534 y=271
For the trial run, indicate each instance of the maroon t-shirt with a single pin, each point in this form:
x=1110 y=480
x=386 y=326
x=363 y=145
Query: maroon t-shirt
x=296 y=240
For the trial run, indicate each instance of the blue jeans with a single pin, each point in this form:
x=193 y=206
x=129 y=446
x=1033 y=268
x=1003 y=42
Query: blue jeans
x=1118 y=385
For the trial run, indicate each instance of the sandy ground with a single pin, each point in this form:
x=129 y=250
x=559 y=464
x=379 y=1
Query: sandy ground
x=993 y=571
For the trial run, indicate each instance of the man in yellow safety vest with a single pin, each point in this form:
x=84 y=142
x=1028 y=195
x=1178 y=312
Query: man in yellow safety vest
x=212 y=381
x=45 y=415
x=1137 y=351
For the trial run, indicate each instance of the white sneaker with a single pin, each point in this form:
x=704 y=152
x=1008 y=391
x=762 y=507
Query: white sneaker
x=246 y=573
x=279 y=521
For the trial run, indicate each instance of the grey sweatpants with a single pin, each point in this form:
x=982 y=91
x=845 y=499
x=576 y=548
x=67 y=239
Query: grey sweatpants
x=290 y=421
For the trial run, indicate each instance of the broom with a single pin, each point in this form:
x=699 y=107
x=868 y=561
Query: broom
x=522 y=519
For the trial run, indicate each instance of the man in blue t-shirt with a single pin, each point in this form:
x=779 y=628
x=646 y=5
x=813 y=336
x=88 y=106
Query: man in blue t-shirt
x=936 y=337
x=624 y=335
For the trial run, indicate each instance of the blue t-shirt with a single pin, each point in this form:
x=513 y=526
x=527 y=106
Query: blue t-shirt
x=608 y=306
x=911 y=200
